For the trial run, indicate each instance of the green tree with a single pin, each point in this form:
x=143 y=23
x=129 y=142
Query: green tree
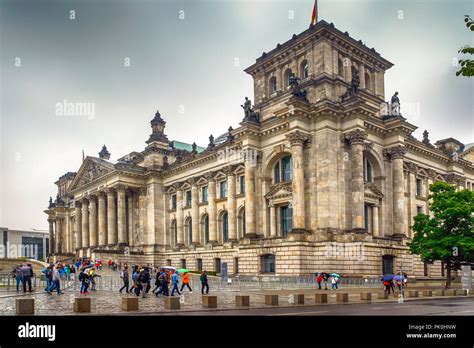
x=467 y=65
x=448 y=236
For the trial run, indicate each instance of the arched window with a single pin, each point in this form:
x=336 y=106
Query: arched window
x=340 y=67
x=283 y=169
x=368 y=172
x=273 y=85
x=189 y=229
x=367 y=81
x=287 y=77
x=205 y=223
x=174 y=233
x=304 y=69
x=225 y=227
x=241 y=222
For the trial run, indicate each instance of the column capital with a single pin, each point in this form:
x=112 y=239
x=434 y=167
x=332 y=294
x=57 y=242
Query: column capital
x=85 y=200
x=297 y=138
x=109 y=191
x=431 y=173
x=77 y=204
x=395 y=152
x=356 y=137
x=454 y=179
x=209 y=176
x=228 y=170
x=412 y=167
x=120 y=187
x=192 y=181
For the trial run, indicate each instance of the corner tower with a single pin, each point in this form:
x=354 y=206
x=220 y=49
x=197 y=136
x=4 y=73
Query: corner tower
x=324 y=59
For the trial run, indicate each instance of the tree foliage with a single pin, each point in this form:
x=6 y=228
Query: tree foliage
x=451 y=226
x=467 y=65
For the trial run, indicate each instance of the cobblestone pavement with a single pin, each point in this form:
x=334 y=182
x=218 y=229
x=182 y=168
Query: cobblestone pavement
x=107 y=300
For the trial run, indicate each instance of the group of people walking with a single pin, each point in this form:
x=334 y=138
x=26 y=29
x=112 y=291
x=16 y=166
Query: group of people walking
x=167 y=281
x=328 y=278
x=23 y=275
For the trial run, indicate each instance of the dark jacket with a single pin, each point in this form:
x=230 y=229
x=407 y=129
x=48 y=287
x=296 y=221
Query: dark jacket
x=203 y=278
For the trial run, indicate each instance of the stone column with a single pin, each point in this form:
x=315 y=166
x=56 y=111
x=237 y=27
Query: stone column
x=59 y=235
x=297 y=140
x=130 y=217
x=78 y=223
x=111 y=218
x=85 y=223
x=102 y=220
x=121 y=214
x=375 y=221
x=212 y=211
x=356 y=139
x=412 y=170
x=250 y=164
x=273 y=224
x=362 y=76
x=195 y=212
x=179 y=217
x=399 y=211
x=92 y=221
x=52 y=248
x=231 y=201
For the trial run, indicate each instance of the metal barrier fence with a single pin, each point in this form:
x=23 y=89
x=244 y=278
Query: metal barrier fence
x=8 y=283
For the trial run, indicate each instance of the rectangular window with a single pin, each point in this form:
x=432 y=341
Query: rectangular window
x=419 y=209
x=242 y=184
x=217 y=265
x=223 y=189
x=183 y=263
x=419 y=187
x=188 y=199
x=236 y=265
x=286 y=220
x=268 y=263
x=199 y=264
x=173 y=202
x=204 y=194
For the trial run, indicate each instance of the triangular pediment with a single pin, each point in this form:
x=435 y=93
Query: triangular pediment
x=279 y=191
x=371 y=190
x=91 y=169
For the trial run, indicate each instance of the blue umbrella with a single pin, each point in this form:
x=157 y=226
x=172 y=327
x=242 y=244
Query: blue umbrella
x=398 y=277
x=387 y=277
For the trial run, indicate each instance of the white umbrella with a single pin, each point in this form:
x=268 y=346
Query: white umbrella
x=169 y=267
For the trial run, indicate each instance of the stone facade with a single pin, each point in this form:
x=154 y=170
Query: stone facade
x=302 y=185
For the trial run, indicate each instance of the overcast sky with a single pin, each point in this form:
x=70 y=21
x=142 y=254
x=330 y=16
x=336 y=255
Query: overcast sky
x=191 y=69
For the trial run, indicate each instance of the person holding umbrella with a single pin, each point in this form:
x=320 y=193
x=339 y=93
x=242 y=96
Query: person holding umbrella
x=334 y=281
x=185 y=280
x=387 y=279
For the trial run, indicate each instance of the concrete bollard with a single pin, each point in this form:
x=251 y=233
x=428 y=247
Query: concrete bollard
x=440 y=292
x=366 y=296
x=209 y=301
x=298 y=298
x=427 y=293
x=242 y=300
x=321 y=298
x=342 y=297
x=413 y=293
x=460 y=292
x=82 y=304
x=382 y=295
x=450 y=292
x=172 y=303
x=25 y=306
x=271 y=300
x=130 y=304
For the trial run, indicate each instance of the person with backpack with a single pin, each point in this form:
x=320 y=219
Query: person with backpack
x=56 y=283
x=186 y=282
x=48 y=275
x=175 y=281
x=84 y=279
x=124 y=276
x=325 y=280
x=163 y=278
x=144 y=279
x=204 y=282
